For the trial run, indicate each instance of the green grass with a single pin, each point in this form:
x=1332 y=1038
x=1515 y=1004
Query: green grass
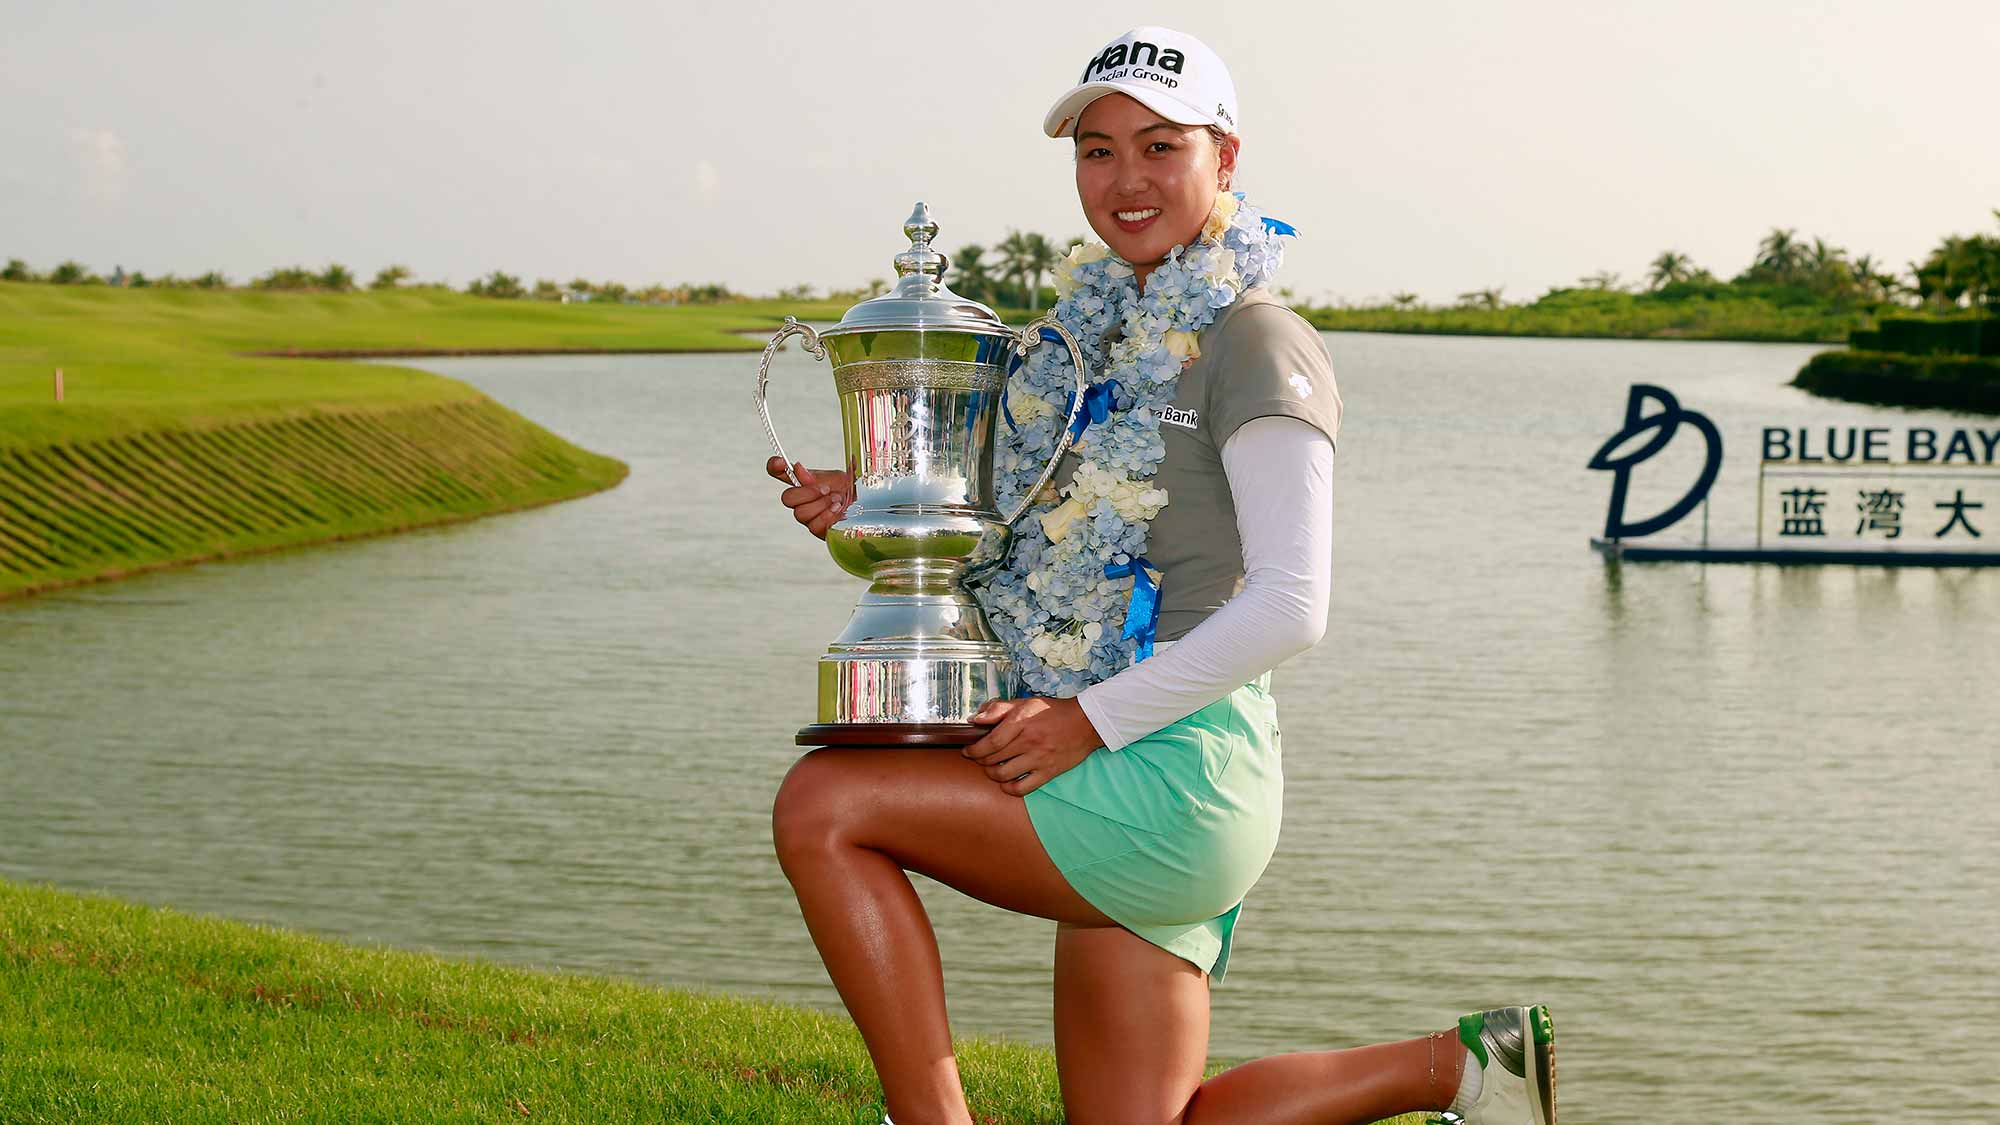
x=138 y=359
x=175 y=443
x=79 y=511
x=113 y=1012
x=1610 y=315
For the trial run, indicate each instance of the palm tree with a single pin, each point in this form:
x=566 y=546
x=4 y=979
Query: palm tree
x=1826 y=267
x=1875 y=286
x=1670 y=267
x=970 y=275
x=1602 y=280
x=1403 y=300
x=1041 y=257
x=1015 y=255
x=1780 y=256
x=1481 y=298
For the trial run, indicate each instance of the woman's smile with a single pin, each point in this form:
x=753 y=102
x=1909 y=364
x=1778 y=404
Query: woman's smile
x=1132 y=222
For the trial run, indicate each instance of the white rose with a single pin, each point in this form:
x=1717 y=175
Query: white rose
x=1056 y=524
x=1084 y=253
x=1026 y=406
x=1220 y=215
x=1183 y=346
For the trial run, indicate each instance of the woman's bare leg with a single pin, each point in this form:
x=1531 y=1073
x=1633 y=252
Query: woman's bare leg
x=1132 y=1039
x=848 y=824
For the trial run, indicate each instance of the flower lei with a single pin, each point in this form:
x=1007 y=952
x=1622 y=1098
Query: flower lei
x=1077 y=601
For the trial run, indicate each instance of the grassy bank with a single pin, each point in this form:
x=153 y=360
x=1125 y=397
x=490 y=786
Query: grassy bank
x=137 y=358
x=89 y=510
x=1676 y=314
x=177 y=441
x=1938 y=382
x=114 y=1012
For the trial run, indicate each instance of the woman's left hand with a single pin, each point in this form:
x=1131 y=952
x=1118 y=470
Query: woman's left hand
x=1032 y=740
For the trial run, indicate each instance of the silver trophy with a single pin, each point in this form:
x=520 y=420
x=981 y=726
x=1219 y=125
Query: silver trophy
x=920 y=372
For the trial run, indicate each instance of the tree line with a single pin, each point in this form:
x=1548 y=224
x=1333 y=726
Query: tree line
x=1961 y=272
x=336 y=278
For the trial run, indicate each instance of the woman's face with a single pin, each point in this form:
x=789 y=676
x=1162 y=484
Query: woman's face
x=1146 y=184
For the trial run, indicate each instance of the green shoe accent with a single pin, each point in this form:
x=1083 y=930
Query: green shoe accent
x=1545 y=1028
x=1469 y=1028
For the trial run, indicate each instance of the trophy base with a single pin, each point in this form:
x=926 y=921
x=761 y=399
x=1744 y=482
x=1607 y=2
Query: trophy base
x=915 y=735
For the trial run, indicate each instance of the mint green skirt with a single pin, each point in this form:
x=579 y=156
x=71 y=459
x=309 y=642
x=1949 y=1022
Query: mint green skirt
x=1167 y=835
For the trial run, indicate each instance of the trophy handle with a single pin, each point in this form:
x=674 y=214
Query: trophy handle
x=812 y=344
x=1024 y=341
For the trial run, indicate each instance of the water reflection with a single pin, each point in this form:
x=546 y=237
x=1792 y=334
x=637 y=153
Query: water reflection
x=1725 y=819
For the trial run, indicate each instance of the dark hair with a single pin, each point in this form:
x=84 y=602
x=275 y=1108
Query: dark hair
x=1215 y=136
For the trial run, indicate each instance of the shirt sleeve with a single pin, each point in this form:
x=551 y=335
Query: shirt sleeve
x=1276 y=366
x=1280 y=473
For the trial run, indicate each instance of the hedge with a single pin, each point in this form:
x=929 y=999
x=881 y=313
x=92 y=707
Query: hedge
x=1914 y=335
x=1948 y=382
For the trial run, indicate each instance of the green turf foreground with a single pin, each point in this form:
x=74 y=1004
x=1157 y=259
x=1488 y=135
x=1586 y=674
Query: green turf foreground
x=111 y=1013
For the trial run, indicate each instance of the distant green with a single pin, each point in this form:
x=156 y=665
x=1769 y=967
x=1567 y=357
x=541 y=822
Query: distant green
x=143 y=358
x=1794 y=288
x=1684 y=312
x=114 y=1012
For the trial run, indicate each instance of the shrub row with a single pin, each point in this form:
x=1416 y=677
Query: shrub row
x=1948 y=382
x=1911 y=335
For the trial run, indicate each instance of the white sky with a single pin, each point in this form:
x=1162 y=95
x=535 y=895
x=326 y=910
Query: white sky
x=1431 y=147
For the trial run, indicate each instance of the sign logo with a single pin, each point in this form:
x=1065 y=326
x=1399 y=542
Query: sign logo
x=1301 y=384
x=1175 y=416
x=1664 y=424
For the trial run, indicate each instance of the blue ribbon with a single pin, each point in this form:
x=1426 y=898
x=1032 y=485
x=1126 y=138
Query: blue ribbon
x=1142 y=614
x=1275 y=226
x=1098 y=399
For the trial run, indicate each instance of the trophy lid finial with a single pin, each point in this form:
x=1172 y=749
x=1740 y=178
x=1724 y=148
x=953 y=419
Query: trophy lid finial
x=920 y=259
x=920 y=300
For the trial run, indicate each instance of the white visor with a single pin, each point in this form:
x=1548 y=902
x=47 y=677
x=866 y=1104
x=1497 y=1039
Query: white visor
x=1172 y=74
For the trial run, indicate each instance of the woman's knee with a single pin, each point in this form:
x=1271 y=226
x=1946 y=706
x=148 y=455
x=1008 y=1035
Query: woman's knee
x=806 y=816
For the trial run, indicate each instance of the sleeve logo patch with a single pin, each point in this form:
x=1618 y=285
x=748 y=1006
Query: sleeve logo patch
x=1302 y=385
x=1185 y=419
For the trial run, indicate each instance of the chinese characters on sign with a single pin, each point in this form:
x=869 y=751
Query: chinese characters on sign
x=1881 y=512
x=1881 y=504
x=1802 y=512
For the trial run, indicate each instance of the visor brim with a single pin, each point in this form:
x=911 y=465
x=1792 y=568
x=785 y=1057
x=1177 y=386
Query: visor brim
x=1061 y=118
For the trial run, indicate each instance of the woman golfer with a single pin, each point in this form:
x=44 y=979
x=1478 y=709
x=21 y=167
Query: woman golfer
x=1135 y=797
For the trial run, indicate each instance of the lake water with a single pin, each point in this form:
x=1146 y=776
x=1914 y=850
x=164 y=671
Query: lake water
x=1734 y=823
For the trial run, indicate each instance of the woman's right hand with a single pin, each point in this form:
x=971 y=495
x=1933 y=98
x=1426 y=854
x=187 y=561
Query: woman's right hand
x=819 y=499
